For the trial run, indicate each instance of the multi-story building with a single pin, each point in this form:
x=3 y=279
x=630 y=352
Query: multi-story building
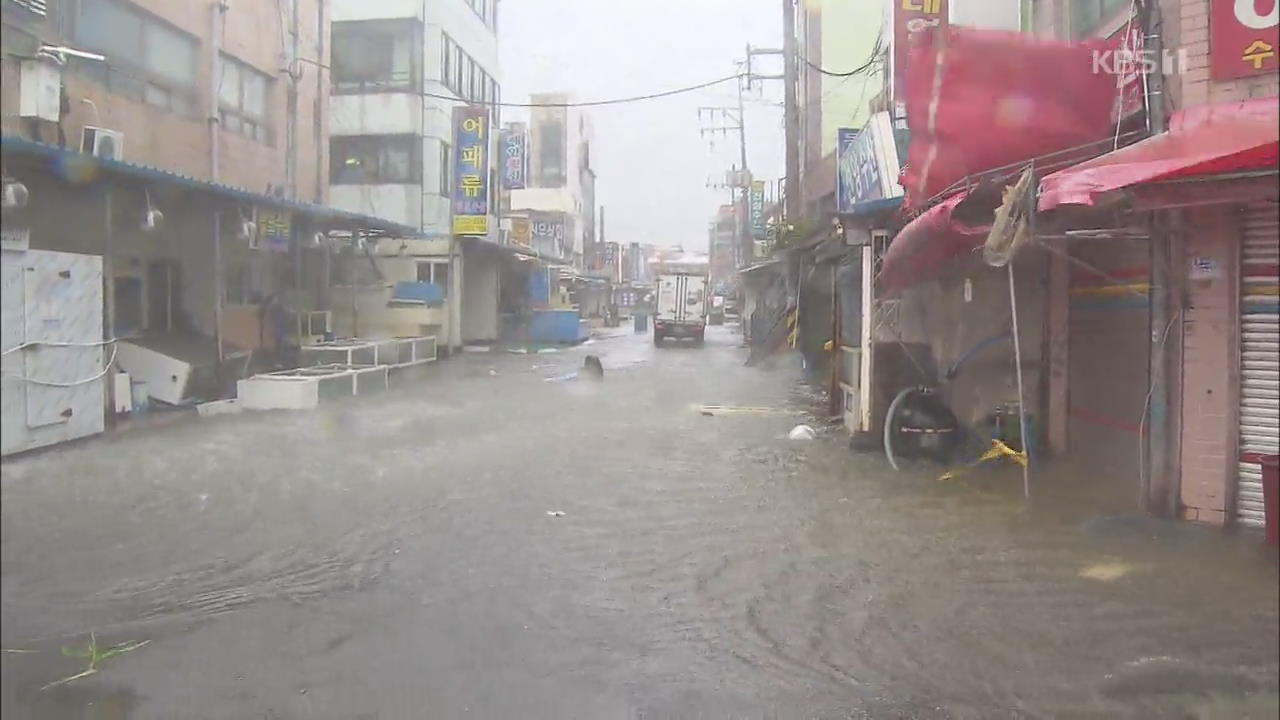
x=399 y=71
x=722 y=245
x=560 y=189
x=176 y=155
x=226 y=91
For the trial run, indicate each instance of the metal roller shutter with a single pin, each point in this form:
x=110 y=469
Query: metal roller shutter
x=1259 y=354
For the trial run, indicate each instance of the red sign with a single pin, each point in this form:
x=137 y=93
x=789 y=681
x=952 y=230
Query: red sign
x=910 y=18
x=1129 y=62
x=1244 y=38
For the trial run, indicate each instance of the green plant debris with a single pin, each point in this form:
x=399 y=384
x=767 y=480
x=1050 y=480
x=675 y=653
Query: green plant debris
x=96 y=656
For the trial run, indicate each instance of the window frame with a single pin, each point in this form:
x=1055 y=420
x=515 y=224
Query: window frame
x=373 y=146
x=395 y=28
x=130 y=75
x=446 y=170
x=1106 y=11
x=434 y=265
x=238 y=118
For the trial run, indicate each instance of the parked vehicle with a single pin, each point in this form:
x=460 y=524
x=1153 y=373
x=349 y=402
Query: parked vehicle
x=682 y=306
x=716 y=314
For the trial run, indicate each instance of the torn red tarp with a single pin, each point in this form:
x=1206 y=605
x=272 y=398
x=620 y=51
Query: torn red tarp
x=920 y=250
x=982 y=99
x=1202 y=140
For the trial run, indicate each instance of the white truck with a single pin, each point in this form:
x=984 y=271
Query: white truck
x=681 y=304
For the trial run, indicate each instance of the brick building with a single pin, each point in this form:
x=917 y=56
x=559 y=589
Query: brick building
x=1219 y=261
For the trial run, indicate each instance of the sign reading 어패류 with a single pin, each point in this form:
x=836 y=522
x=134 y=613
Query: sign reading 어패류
x=470 y=171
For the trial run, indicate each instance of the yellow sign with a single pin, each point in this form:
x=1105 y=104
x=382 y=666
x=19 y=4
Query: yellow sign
x=520 y=231
x=470 y=224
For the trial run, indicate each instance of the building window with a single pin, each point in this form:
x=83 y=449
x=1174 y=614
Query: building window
x=374 y=160
x=487 y=10
x=37 y=7
x=242 y=100
x=435 y=272
x=376 y=55
x=551 y=163
x=446 y=169
x=147 y=59
x=1087 y=16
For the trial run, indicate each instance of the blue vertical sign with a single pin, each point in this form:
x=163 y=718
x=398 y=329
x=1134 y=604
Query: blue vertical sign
x=857 y=173
x=470 y=171
x=515 y=157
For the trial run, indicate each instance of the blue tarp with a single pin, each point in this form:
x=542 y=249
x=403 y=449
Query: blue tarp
x=418 y=292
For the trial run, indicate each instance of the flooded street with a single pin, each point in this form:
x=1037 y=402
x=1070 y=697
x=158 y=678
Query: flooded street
x=497 y=540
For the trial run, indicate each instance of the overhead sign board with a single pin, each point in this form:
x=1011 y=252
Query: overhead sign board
x=866 y=164
x=515 y=157
x=470 y=171
x=1244 y=38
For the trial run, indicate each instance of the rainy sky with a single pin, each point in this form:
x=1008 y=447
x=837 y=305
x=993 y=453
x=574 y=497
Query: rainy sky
x=651 y=164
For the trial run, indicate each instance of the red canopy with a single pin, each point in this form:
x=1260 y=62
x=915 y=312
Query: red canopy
x=1203 y=140
x=922 y=248
x=981 y=99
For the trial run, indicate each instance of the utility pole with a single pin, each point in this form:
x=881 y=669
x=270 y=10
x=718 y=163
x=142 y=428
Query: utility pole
x=732 y=121
x=791 y=110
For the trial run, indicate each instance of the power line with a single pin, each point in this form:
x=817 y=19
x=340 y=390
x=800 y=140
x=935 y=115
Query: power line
x=875 y=56
x=591 y=103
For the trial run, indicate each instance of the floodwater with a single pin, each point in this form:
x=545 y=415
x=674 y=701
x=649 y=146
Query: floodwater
x=497 y=539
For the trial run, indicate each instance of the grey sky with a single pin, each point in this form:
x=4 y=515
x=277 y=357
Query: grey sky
x=652 y=167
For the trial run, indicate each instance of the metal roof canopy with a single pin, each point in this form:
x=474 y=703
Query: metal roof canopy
x=63 y=158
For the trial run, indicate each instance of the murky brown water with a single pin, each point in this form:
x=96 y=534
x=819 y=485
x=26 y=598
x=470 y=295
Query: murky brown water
x=394 y=557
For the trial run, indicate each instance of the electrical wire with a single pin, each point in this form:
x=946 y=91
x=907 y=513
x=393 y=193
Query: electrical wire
x=876 y=49
x=74 y=383
x=591 y=103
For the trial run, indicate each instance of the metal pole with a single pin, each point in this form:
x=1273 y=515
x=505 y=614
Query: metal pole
x=108 y=300
x=1155 y=74
x=355 y=310
x=218 y=287
x=745 y=191
x=791 y=111
x=1022 y=413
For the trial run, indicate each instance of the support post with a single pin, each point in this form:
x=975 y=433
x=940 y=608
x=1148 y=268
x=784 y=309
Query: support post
x=791 y=111
x=108 y=298
x=218 y=290
x=1022 y=411
x=1155 y=485
x=1059 y=327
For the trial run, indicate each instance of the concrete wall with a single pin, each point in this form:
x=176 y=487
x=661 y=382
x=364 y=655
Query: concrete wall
x=181 y=141
x=480 y=292
x=1210 y=372
x=936 y=315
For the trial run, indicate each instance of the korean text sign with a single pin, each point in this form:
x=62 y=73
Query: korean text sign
x=470 y=171
x=911 y=17
x=515 y=157
x=1244 y=38
x=857 y=171
x=757 y=210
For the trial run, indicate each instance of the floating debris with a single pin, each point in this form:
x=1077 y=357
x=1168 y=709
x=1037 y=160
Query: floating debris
x=801 y=432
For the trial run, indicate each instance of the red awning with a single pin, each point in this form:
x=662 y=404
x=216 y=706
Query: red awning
x=1203 y=140
x=920 y=250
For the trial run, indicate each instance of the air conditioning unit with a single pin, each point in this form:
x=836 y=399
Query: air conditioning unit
x=103 y=143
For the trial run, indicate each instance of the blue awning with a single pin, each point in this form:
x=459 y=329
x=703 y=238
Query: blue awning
x=62 y=157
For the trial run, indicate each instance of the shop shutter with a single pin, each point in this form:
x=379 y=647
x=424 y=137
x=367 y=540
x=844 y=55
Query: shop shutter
x=1259 y=355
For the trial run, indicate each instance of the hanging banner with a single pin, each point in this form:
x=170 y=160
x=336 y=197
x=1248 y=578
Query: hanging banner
x=515 y=156
x=910 y=19
x=756 y=209
x=470 y=171
x=1244 y=38
x=1129 y=60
